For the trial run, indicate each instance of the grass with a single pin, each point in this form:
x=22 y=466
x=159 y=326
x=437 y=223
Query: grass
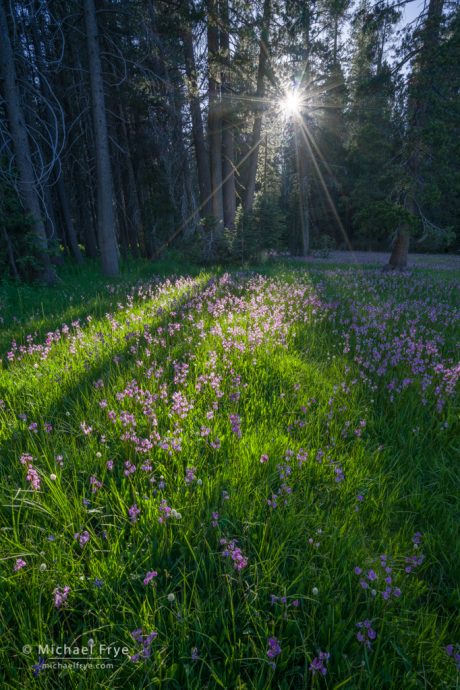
x=342 y=376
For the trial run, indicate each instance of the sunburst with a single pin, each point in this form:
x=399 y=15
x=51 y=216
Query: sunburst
x=291 y=104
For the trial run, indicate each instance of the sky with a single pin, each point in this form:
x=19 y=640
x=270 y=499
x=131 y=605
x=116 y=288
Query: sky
x=411 y=11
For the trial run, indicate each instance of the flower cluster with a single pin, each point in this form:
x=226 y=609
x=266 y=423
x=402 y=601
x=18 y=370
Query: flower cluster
x=145 y=642
x=130 y=468
x=83 y=537
x=134 y=513
x=274 y=648
x=95 y=484
x=235 y=423
x=190 y=475
x=38 y=667
x=283 y=600
x=231 y=550
x=366 y=634
x=215 y=518
x=412 y=562
x=382 y=577
x=60 y=596
x=453 y=651
x=319 y=663
x=149 y=576
x=282 y=494
x=32 y=475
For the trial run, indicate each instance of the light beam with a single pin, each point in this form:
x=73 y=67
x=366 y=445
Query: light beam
x=291 y=104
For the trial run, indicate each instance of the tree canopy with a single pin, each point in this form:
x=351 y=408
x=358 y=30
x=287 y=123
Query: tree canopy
x=225 y=128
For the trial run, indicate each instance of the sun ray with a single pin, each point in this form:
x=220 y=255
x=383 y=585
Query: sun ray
x=291 y=103
x=199 y=208
x=305 y=135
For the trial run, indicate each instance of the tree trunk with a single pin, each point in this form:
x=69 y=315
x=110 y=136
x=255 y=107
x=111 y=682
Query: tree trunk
x=215 y=117
x=105 y=220
x=10 y=252
x=133 y=203
x=39 y=59
x=128 y=202
x=69 y=226
x=120 y=205
x=304 y=216
x=336 y=36
x=85 y=184
x=86 y=203
x=49 y=218
x=417 y=114
x=81 y=180
x=26 y=176
x=400 y=251
x=91 y=249
x=175 y=161
x=248 y=199
x=228 y=142
x=304 y=211
x=201 y=154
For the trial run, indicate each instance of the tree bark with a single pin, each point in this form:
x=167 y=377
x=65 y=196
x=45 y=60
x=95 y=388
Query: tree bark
x=417 y=107
x=215 y=117
x=400 y=251
x=248 y=199
x=70 y=232
x=228 y=139
x=81 y=180
x=26 y=176
x=87 y=223
x=121 y=216
x=304 y=214
x=106 y=222
x=128 y=202
x=304 y=211
x=10 y=252
x=133 y=203
x=175 y=161
x=336 y=36
x=199 y=144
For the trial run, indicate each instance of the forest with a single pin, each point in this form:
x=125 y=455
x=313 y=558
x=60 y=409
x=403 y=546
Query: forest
x=229 y=344
x=226 y=130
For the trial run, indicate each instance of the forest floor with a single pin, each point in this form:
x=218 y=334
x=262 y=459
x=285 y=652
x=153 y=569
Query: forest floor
x=443 y=261
x=238 y=480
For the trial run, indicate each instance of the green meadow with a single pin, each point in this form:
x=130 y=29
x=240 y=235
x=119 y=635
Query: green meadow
x=255 y=472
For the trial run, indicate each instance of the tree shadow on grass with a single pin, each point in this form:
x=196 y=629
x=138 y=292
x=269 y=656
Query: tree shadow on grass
x=92 y=294
x=72 y=393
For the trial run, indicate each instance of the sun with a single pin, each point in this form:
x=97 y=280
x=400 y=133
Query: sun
x=291 y=104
